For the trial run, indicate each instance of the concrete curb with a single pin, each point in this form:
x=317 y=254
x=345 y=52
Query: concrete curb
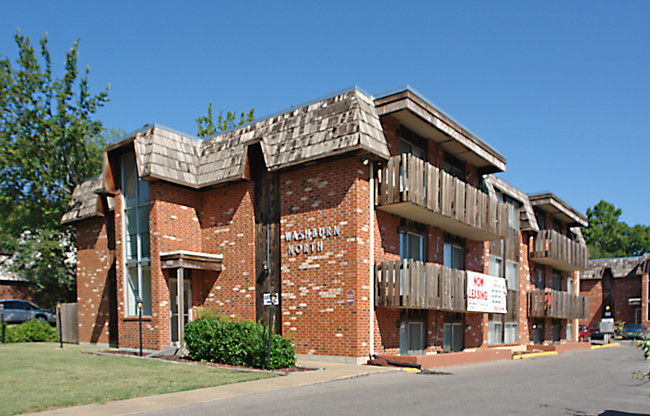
x=533 y=355
x=614 y=344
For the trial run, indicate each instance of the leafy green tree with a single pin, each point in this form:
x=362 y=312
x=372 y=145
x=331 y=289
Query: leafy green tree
x=207 y=127
x=49 y=143
x=607 y=236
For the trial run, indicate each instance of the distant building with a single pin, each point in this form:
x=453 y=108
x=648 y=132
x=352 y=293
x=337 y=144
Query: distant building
x=12 y=286
x=374 y=218
x=620 y=283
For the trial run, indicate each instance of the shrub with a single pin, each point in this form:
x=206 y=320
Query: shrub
x=35 y=330
x=216 y=339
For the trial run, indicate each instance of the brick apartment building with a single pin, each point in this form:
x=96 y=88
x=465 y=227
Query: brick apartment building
x=620 y=283
x=376 y=219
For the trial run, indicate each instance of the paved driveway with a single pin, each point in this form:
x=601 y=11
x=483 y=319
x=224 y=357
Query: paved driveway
x=580 y=383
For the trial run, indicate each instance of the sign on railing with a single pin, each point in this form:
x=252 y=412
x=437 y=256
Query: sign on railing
x=486 y=293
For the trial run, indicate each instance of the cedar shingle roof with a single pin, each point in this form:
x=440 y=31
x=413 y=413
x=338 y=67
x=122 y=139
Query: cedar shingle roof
x=620 y=267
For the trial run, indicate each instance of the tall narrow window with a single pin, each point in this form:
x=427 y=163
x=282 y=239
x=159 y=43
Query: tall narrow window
x=136 y=237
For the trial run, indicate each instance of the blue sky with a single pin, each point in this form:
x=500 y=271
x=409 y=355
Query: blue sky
x=561 y=89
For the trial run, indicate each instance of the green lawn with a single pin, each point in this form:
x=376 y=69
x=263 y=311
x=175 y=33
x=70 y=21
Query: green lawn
x=40 y=376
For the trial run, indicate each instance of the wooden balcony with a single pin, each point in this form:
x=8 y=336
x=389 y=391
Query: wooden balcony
x=554 y=249
x=412 y=188
x=418 y=285
x=549 y=303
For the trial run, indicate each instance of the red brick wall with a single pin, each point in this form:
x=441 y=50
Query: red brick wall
x=314 y=285
x=624 y=289
x=93 y=262
x=228 y=228
x=593 y=290
x=15 y=290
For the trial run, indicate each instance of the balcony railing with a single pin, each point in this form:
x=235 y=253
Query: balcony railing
x=418 y=285
x=549 y=303
x=412 y=188
x=559 y=251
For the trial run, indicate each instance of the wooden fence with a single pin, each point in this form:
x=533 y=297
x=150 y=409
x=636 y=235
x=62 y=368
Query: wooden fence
x=418 y=285
x=552 y=244
x=550 y=303
x=406 y=178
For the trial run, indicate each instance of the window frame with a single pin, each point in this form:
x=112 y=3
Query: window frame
x=133 y=209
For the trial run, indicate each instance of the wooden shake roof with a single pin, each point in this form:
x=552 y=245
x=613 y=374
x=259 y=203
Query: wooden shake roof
x=344 y=122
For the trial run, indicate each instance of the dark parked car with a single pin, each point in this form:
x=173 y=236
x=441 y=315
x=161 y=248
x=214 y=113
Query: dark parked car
x=18 y=311
x=594 y=332
x=633 y=331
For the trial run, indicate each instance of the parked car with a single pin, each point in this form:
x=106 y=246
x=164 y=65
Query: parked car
x=594 y=332
x=633 y=331
x=584 y=333
x=16 y=311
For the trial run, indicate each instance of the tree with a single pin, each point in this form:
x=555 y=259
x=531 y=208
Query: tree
x=207 y=127
x=49 y=143
x=607 y=236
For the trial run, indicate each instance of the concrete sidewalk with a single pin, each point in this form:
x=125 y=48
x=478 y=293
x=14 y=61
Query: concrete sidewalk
x=325 y=372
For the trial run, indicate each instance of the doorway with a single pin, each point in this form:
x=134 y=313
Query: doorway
x=173 y=303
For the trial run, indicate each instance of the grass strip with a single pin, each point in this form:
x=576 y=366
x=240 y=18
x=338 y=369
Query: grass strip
x=41 y=376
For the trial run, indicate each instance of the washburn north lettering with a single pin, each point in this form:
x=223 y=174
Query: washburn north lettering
x=309 y=234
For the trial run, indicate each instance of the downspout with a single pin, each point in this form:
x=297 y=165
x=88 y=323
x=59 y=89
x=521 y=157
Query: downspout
x=371 y=266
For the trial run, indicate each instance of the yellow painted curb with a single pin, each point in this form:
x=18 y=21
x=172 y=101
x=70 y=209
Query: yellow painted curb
x=613 y=344
x=412 y=370
x=533 y=355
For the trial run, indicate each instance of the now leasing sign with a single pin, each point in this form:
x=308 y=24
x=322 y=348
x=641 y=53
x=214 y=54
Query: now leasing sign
x=485 y=293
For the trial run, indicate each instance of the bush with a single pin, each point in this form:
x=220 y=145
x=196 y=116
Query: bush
x=216 y=339
x=35 y=330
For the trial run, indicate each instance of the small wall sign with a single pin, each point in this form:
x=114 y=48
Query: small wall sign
x=349 y=297
x=271 y=299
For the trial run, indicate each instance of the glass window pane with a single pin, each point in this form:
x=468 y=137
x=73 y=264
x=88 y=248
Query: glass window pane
x=512 y=275
x=144 y=243
x=146 y=291
x=129 y=177
x=143 y=192
x=459 y=261
x=510 y=333
x=143 y=219
x=131 y=221
x=131 y=290
x=447 y=256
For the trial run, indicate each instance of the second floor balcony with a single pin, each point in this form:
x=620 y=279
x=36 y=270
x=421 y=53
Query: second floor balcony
x=412 y=188
x=559 y=251
x=418 y=285
x=550 y=303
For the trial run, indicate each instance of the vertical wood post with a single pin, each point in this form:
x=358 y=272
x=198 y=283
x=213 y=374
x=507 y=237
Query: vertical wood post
x=181 y=308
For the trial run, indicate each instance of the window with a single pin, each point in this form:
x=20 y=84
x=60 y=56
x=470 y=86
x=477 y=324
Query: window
x=135 y=193
x=496 y=266
x=406 y=146
x=453 y=256
x=495 y=330
x=538 y=279
x=569 y=331
x=411 y=246
x=510 y=333
x=412 y=339
x=513 y=214
x=454 y=166
x=512 y=275
x=569 y=286
x=557 y=281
